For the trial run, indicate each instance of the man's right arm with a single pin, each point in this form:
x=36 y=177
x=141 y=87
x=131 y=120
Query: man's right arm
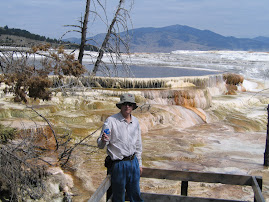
x=102 y=140
x=100 y=143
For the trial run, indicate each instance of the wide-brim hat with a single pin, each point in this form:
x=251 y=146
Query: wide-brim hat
x=127 y=97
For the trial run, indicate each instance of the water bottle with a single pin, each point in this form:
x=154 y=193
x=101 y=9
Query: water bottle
x=107 y=132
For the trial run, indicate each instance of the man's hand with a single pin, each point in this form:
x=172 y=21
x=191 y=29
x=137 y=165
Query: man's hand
x=105 y=137
x=141 y=170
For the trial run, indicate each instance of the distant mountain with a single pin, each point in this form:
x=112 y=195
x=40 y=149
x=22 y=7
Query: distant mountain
x=262 y=39
x=178 y=37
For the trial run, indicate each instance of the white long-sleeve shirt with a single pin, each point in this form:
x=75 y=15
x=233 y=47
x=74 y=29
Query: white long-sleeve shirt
x=125 y=138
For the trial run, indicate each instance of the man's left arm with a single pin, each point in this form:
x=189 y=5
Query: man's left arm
x=139 y=149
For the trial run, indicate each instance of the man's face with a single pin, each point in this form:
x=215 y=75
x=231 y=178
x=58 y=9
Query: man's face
x=127 y=107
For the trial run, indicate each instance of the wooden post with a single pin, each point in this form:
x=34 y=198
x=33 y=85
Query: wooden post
x=184 y=188
x=266 y=153
x=257 y=188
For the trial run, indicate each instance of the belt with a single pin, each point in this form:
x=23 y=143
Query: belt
x=126 y=158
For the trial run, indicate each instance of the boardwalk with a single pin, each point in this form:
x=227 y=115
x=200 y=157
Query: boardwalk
x=185 y=176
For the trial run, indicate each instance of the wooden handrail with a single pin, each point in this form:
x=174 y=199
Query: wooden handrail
x=197 y=176
x=185 y=176
x=101 y=190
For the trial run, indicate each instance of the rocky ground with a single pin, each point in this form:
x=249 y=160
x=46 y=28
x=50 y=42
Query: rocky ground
x=193 y=145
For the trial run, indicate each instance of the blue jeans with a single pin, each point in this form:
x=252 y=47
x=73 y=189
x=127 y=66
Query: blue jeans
x=126 y=175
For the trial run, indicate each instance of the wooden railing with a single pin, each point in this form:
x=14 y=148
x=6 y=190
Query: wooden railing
x=185 y=176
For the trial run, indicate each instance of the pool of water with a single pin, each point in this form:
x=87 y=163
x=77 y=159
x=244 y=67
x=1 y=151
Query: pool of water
x=145 y=71
x=155 y=71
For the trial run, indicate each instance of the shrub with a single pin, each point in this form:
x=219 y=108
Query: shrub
x=6 y=133
x=26 y=76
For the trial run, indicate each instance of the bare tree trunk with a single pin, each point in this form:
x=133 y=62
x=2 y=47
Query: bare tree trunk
x=104 y=44
x=84 y=31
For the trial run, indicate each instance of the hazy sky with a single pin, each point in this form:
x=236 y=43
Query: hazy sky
x=239 y=18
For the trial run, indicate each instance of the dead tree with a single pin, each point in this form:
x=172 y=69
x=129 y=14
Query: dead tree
x=112 y=42
x=84 y=31
x=83 y=28
x=120 y=19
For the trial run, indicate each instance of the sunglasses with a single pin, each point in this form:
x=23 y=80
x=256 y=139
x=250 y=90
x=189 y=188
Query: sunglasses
x=128 y=103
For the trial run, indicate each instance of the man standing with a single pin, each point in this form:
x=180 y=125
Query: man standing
x=121 y=134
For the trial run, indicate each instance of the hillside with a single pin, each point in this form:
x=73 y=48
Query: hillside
x=18 y=41
x=22 y=38
x=19 y=37
x=178 y=37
